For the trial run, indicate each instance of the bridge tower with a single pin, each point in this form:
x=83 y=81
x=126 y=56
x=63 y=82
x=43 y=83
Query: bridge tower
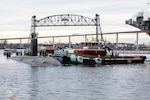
x=98 y=29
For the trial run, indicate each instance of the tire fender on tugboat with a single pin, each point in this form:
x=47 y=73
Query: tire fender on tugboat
x=80 y=59
x=129 y=61
x=98 y=60
x=73 y=58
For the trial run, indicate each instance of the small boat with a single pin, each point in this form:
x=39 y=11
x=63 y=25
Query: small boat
x=8 y=52
x=46 y=50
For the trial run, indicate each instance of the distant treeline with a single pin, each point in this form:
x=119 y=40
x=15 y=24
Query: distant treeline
x=119 y=46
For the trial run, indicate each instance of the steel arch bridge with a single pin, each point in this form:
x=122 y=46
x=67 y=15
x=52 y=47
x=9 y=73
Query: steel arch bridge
x=67 y=20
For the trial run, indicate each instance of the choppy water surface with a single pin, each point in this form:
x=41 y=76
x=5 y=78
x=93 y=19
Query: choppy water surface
x=109 y=82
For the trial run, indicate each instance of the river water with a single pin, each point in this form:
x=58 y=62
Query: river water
x=107 y=82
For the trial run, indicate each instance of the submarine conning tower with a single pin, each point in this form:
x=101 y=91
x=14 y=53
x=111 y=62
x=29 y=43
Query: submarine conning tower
x=141 y=20
x=34 y=43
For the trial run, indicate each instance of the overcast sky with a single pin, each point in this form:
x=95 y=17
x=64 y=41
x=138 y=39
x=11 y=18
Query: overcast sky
x=15 y=15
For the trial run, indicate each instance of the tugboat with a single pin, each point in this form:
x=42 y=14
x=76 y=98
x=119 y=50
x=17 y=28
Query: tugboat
x=90 y=53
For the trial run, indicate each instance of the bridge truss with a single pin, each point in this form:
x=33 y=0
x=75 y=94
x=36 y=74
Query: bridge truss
x=67 y=20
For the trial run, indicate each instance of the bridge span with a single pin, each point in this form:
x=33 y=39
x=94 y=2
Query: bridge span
x=77 y=35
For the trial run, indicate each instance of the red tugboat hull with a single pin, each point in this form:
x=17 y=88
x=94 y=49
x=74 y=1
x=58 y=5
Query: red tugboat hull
x=90 y=52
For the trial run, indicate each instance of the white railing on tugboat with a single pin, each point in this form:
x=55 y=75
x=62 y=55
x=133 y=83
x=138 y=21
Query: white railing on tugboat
x=131 y=52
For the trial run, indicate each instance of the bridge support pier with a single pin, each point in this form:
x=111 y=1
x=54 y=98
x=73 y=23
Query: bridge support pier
x=117 y=40
x=20 y=43
x=53 y=42
x=137 y=41
x=69 y=41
